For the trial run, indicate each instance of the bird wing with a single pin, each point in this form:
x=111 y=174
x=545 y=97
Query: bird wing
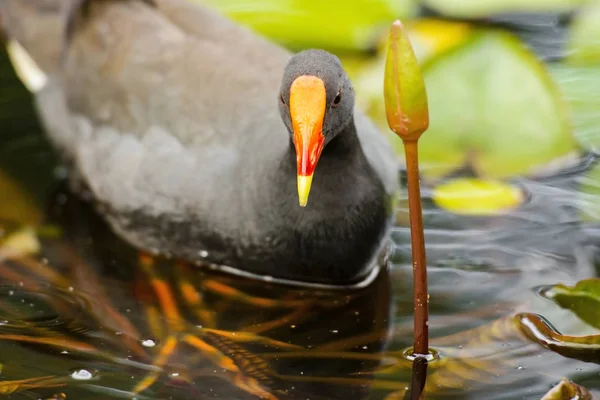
x=143 y=99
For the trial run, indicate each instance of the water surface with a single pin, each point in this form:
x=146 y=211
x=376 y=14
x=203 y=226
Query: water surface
x=87 y=317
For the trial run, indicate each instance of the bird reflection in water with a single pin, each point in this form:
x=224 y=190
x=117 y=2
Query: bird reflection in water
x=180 y=330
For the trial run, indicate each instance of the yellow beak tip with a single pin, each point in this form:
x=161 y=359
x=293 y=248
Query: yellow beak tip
x=304 y=183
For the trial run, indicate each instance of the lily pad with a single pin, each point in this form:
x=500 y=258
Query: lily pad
x=580 y=86
x=584 y=41
x=583 y=299
x=332 y=24
x=477 y=196
x=567 y=390
x=431 y=37
x=483 y=8
x=494 y=106
x=537 y=329
x=589 y=196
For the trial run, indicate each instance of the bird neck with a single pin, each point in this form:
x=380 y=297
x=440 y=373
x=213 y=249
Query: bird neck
x=345 y=143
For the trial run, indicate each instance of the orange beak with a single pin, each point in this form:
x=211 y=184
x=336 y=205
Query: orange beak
x=307 y=109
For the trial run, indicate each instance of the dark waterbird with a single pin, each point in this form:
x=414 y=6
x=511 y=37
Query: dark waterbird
x=197 y=138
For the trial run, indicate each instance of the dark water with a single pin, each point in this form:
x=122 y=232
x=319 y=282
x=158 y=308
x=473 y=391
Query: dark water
x=87 y=317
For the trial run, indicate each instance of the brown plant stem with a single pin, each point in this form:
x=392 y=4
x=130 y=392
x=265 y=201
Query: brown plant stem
x=419 y=377
x=419 y=262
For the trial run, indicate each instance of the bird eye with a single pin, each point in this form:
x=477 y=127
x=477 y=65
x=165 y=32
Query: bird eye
x=337 y=100
x=281 y=98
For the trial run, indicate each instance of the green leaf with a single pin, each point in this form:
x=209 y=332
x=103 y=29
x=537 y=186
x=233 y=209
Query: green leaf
x=584 y=43
x=472 y=196
x=403 y=87
x=589 y=196
x=583 y=299
x=431 y=37
x=492 y=105
x=483 y=8
x=331 y=24
x=580 y=86
x=539 y=330
x=567 y=390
